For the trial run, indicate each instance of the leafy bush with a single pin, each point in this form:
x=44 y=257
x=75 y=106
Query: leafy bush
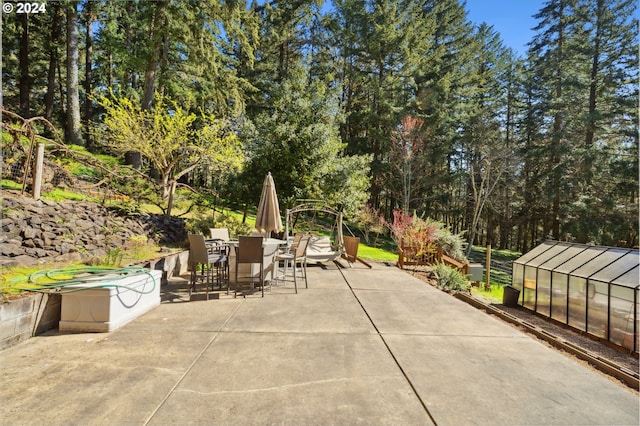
x=451 y=278
x=369 y=221
x=424 y=235
x=413 y=231
x=451 y=244
x=199 y=225
x=233 y=224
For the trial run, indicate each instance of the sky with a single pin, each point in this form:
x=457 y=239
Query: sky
x=511 y=18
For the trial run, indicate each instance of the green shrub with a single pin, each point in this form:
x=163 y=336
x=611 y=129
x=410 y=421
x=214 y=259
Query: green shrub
x=199 y=225
x=451 y=244
x=451 y=278
x=233 y=224
x=424 y=235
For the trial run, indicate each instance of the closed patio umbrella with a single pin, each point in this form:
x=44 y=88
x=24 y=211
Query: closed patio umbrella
x=268 y=215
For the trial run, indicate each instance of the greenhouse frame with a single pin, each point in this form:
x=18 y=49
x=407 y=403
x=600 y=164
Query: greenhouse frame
x=590 y=288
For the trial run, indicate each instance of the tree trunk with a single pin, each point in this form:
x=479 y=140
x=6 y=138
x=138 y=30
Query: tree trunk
x=24 y=81
x=593 y=86
x=73 y=96
x=150 y=75
x=158 y=25
x=172 y=191
x=557 y=139
x=88 y=103
x=53 y=62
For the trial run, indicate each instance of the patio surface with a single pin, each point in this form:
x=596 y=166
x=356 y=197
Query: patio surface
x=359 y=346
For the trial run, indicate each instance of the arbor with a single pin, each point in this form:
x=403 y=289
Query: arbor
x=173 y=140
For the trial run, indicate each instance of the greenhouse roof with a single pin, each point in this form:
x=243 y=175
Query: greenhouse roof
x=606 y=264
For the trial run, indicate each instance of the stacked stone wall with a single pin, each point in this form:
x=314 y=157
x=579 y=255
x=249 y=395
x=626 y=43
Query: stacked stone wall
x=41 y=231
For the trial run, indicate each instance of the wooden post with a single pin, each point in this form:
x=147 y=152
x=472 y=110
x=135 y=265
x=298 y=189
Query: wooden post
x=37 y=172
x=488 y=268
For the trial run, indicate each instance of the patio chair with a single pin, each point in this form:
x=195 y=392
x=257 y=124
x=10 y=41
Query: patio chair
x=199 y=255
x=218 y=250
x=292 y=259
x=250 y=251
x=221 y=233
x=294 y=244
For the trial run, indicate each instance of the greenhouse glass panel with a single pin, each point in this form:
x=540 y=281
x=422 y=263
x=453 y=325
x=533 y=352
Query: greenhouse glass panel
x=517 y=276
x=577 y=302
x=525 y=258
x=548 y=254
x=622 y=309
x=637 y=335
x=580 y=259
x=572 y=251
x=559 y=297
x=618 y=268
x=544 y=292
x=597 y=312
x=529 y=290
x=630 y=279
x=599 y=263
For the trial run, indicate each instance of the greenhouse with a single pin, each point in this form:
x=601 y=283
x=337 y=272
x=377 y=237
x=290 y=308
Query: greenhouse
x=590 y=288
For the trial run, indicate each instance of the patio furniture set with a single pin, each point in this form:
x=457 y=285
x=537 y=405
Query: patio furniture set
x=253 y=261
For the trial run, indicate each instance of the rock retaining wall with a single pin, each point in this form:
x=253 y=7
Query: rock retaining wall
x=40 y=231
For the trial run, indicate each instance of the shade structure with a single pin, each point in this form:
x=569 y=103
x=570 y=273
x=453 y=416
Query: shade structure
x=268 y=215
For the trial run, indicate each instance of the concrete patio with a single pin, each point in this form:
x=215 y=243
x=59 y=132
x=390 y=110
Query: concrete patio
x=360 y=346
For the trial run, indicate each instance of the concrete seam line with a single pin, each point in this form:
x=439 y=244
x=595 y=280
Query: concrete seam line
x=413 y=388
x=197 y=358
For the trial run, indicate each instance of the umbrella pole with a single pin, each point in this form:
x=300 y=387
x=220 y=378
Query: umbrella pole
x=286 y=225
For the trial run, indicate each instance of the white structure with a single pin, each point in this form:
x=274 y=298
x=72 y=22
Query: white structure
x=105 y=305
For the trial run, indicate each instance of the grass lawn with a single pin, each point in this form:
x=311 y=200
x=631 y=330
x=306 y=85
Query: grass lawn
x=381 y=250
x=500 y=263
x=376 y=254
x=492 y=296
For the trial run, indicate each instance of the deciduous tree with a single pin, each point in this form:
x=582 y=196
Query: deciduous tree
x=169 y=137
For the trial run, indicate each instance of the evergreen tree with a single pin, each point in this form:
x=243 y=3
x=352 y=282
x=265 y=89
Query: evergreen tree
x=582 y=55
x=373 y=38
x=554 y=49
x=53 y=51
x=610 y=48
x=483 y=142
x=442 y=87
x=297 y=140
